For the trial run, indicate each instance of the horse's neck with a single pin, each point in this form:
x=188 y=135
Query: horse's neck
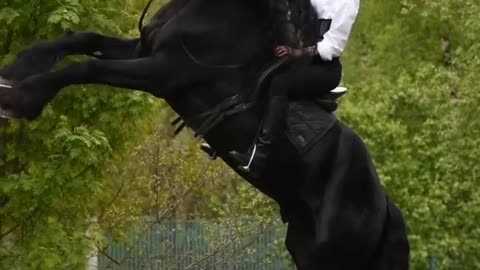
x=169 y=10
x=174 y=6
x=202 y=24
x=195 y=101
x=211 y=45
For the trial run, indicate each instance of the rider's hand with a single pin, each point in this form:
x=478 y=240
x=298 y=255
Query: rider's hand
x=283 y=51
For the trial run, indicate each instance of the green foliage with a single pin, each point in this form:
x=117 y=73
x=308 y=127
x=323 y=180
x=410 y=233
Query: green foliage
x=101 y=159
x=167 y=181
x=416 y=104
x=52 y=171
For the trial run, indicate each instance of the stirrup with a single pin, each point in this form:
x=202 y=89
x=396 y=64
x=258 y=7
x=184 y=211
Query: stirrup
x=337 y=92
x=247 y=168
x=340 y=90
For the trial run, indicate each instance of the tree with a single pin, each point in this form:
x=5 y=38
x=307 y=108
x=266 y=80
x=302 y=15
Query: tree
x=52 y=170
x=412 y=70
x=83 y=167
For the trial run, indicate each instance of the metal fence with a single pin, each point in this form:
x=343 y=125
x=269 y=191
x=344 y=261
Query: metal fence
x=202 y=245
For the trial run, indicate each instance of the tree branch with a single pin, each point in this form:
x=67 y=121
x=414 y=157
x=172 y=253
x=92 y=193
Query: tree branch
x=9 y=231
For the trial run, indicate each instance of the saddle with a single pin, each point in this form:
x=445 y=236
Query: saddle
x=307 y=120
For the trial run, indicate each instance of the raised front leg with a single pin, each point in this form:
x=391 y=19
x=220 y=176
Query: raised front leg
x=151 y=74
x=43 y=56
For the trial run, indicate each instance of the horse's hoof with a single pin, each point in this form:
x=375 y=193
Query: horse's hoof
x=4 y=113
x=7 y=114
x=4 y=83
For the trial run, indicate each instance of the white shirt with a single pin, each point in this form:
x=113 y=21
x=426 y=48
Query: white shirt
x=343 y=14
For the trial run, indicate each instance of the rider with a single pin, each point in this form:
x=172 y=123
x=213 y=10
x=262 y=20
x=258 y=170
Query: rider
x=334 y=20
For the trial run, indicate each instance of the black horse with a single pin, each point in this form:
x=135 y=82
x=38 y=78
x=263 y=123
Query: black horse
x=197 y=54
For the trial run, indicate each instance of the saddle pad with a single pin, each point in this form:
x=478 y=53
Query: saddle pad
x=307 y=122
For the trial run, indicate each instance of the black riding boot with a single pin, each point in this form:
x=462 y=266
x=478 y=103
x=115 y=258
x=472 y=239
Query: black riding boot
x=282 y=24
x=255 y=160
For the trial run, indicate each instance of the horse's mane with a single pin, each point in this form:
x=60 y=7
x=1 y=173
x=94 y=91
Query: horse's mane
x=304 y=17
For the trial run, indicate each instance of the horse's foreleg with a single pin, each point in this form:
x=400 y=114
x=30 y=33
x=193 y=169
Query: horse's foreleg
x=152 y=74
x=43 y=56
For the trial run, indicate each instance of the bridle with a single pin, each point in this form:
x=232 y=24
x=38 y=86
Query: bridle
x=144 y=13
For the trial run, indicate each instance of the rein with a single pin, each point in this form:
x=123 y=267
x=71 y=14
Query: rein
x=144 y=13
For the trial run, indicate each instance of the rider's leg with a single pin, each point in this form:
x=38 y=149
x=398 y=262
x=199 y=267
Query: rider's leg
x=271 y=126
x=284 y=34
x=302 y=82
x=310 y=82
x=316 y=80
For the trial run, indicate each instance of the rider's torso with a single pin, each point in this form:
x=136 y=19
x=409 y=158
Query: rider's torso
x=325 y=9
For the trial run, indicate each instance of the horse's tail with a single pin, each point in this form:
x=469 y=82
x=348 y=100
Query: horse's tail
x=393 y=252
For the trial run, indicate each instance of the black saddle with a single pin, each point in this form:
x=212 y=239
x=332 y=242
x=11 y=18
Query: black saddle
x=307 y=120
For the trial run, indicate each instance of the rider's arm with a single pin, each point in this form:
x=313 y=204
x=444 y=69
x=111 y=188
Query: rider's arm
x=335 y=39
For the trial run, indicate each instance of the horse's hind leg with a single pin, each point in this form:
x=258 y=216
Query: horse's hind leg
x=393 y=253
x=43 y=56
x=300 y=238
x=310 y=254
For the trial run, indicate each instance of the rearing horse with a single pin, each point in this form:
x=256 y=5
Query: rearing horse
x=196 y=54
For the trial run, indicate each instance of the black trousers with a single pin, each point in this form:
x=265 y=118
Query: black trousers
x=300 y=81
x=306 y=81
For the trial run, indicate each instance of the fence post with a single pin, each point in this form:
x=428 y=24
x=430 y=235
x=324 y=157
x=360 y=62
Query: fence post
x=432 y=262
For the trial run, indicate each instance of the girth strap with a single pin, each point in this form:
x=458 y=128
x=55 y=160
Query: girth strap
x=214 y=120
x=216 y=115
